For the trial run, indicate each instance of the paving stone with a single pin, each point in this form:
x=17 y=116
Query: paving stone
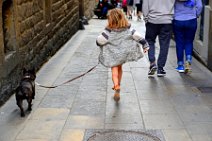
x=63 y=91
x=200 y=130
x=152 y=94
x=57 y=102
x=88 y=94
x=48 y=114
x=8 y=132
x=37 y=129
x=72 y=135
x=195 y=113
x=162 y=121
x=88 y=107
x=84 y=122
x=156 y=107
x=176 y=135
x=123 y=118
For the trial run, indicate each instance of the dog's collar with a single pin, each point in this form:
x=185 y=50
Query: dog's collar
x=27 y=76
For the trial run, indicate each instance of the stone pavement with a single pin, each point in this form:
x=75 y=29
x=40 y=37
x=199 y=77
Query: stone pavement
x=174 y=104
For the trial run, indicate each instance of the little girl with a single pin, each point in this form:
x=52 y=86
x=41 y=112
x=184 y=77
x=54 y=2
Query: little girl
x=119 y=44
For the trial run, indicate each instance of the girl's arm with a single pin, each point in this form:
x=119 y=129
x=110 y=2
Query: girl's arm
x=137 y=36
x=102 y=39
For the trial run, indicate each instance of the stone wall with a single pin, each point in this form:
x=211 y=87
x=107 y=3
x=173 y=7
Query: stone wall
x=31 y=31
x=87 y=6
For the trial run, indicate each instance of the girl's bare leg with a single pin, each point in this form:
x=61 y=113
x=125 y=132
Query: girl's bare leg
x=116 y=82
x=120 y=73
x=115 y=76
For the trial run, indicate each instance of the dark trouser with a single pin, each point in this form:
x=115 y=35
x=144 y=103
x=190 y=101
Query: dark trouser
x=104 y=11
x=163 y=31
x=184 y=32
x=139 y=8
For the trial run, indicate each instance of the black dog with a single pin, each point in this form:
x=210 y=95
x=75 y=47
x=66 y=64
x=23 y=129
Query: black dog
x=26 y=90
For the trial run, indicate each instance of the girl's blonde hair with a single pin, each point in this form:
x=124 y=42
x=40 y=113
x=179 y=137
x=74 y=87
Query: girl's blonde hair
x=117 y=19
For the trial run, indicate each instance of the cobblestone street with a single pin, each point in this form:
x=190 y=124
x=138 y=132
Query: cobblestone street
x=175 y=105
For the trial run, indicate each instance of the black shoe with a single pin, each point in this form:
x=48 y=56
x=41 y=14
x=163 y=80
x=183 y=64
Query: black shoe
x=152 y=70
x=130 y=17
x=161 y=72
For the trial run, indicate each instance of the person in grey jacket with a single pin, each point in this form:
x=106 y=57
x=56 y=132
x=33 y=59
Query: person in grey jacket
x=158 y=15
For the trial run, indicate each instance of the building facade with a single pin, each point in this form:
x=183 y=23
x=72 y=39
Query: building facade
x=203 y=40
x=31 y=31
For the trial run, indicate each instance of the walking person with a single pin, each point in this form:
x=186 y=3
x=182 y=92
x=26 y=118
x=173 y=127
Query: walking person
x=158 y=15
x=185 y=26
x=114 y=3
x=130 y=8
x=138 y=4
x=105 y=8
x=119 y=43
x=124 y=6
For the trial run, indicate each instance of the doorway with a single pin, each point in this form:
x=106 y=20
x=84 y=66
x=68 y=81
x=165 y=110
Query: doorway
x=8 y=27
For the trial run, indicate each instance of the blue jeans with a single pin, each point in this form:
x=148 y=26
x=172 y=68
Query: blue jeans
x=163 y=31
x=104 y=11
x=184 y=32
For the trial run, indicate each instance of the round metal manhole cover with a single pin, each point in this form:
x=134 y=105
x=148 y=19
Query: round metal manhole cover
x=123 y=136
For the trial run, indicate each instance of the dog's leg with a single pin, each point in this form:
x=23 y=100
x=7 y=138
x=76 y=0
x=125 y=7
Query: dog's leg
x=33 y=92
x=29 y=104
x=19 y=103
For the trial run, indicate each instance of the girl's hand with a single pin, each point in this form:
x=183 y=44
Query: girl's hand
x=146 y=49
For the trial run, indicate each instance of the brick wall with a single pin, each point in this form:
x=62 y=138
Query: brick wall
x=31 y=32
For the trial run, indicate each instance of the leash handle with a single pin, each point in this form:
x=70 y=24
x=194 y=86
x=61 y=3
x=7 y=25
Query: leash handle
x=68 y=81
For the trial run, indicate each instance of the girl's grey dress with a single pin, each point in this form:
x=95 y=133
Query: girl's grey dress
x=120 y=46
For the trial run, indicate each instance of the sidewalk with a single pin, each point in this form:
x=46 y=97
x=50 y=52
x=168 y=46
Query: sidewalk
x=173 y=104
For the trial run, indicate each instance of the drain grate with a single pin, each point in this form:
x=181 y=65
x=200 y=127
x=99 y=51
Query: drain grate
x=121 y=135
x=205 y=89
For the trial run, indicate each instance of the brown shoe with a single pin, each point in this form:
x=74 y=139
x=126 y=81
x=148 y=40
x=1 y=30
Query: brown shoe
x=116 y=87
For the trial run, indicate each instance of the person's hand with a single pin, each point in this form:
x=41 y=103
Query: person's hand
x=146 y=49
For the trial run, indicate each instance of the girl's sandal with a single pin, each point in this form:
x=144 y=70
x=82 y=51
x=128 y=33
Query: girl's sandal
x=117 y=86
x=116 y=96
